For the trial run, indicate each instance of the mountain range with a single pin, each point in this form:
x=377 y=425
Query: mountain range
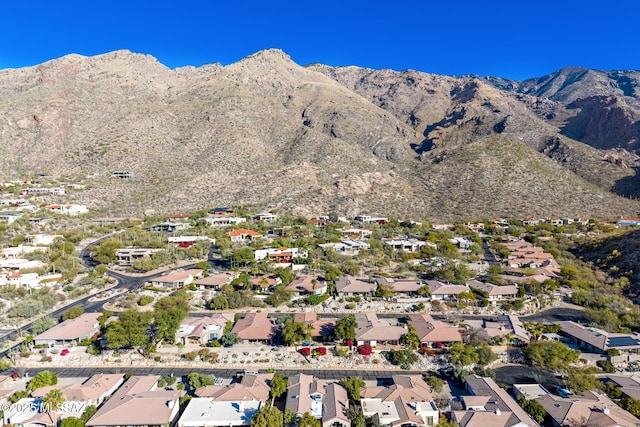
x=269 y=133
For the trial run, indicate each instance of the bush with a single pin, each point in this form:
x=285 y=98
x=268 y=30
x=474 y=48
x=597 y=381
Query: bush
x=145 y=300
x=606 y=366
x=320 y=351
x=305 y=351
x=365 y=349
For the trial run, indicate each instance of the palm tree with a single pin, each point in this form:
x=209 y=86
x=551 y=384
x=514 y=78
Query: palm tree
x=53 y=400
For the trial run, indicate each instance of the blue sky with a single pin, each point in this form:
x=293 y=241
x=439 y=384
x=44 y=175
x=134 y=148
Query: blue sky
x=514 y=39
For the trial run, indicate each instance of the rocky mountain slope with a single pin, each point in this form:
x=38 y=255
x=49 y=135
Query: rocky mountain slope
x=267 y=132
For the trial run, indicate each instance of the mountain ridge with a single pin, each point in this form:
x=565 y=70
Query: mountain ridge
x=267 y=132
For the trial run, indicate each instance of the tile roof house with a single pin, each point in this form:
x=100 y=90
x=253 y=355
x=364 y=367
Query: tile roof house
x=265 y=282
x=374 y=331
x=243 y=234
x=307 y=285
x=70 y=331
x=216 y=281
x=505 y=325
x=490 y=405
x=138 y=402
x=589 y=409
x=178 y=279
x=494 y=292
x=206 y=411
x=445 y=291
x=91 y=392
x=599 y=341
x=630 y=386
x=322 y=328
x=305 y=395
x=252 y=387
x=350 y=286
x=407 y=402
x=432 y=332
x=201 y=330
x=407 y=287
x=255 y=327
x=335 y=405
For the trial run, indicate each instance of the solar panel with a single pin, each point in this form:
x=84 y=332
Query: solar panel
x=623 y=342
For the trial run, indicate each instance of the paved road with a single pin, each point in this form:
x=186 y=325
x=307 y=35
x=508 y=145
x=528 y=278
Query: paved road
x=323 y=374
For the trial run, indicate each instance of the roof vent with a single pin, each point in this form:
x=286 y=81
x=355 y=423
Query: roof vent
x=606 y=411
x=497 y=411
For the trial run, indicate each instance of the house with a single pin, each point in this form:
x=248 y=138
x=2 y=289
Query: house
x=318 y=222
x=409 y=245
x=70 y=331
x=444 y=291
x=322 y=328
x=307 y=285
x=265 y=282
x=406 y=287
x=598 y=341
x=93 y=391
x=305 y=395
x=368 y=219
x=255 y=327
x=460 y=242
x=21 y=264
x=346 y=247
x=630 y=386
x=223 y=221
x=490 y=405
x=406 y=402
x=251 y=387
x=529 y=222
x=590 y=409
x=221 y=211
x=188 y=241
x=350 y=286
x=243 y=234
x=434 y=333
x=176 y=280
x=267 y=217
x=201 y=330
x=356 y=233
x=138 y=402
x=41 y=239
x=170 y=226
x=128 y=256
x=335 y=404
x=216 y=281
x=374 y=331
x=493 y=293
x=205 y=411
x=506 y=326
x=280 y=255
x=67 y=209
x=29 y=412
x=627 y=222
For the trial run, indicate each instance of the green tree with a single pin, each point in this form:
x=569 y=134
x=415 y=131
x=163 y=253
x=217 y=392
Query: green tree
x=131 y=330
x=42 y=324
x=278 y=386
x=268 y=416
x=445 y=422
x=356 y=416
x=53 y=400
x=353 y=385
x=197 y=380
x=435 y=383
x=345 y=328
x=385 y=291
x=88 y=413
x=533 y=408
x=71 y=422
x=551 y=354
x=229 y=339
x=289 y=416
x=72 y=313
x=42 y=379
x=293 y=333
x=411 y=339
x=167 y=314
x=308 y=421
x=581 y=380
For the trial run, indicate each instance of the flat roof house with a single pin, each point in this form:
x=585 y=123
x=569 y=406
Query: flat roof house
x=201 y=330
x=206 y=411
x=70 y=331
